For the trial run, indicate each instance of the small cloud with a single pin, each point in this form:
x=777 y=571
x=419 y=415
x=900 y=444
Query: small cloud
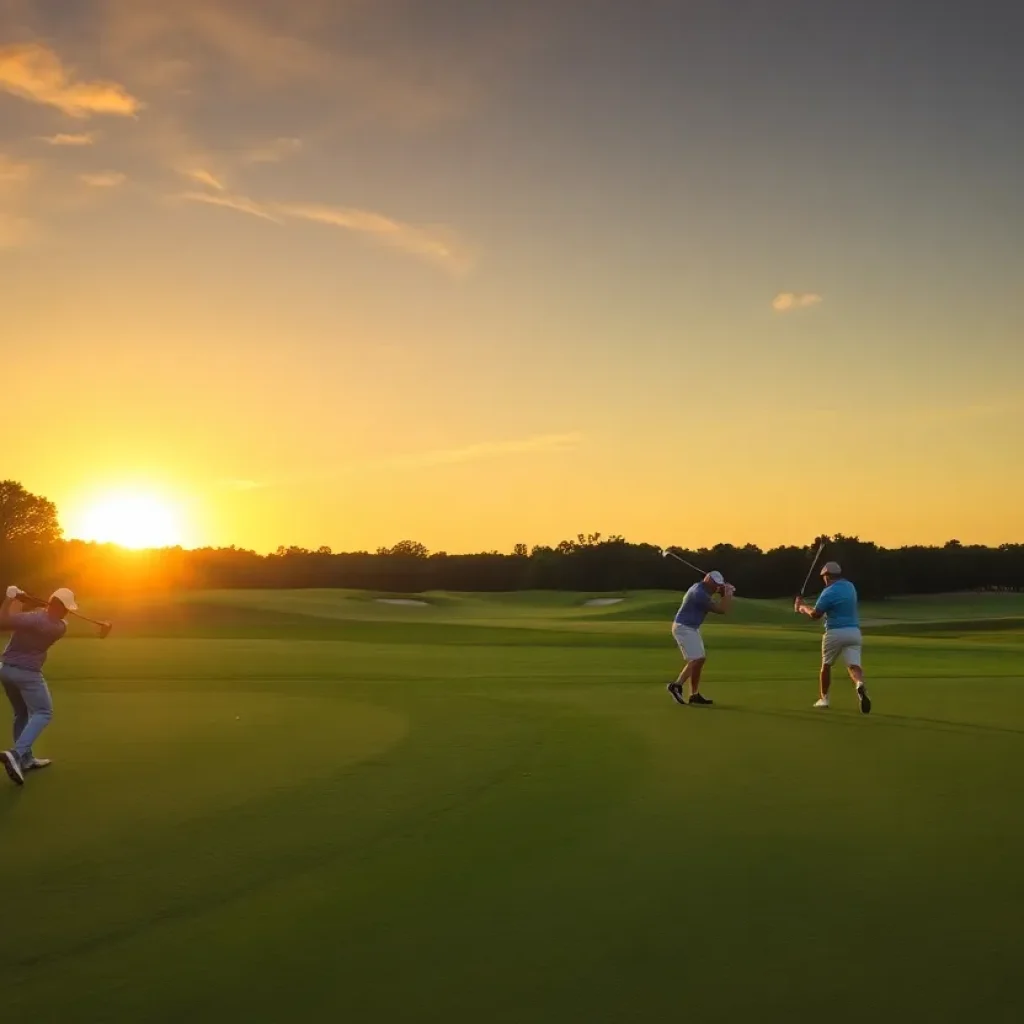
x=203 y=177
x=241 y=204
x=36 y=74
x=64 y=139
x=786 y=301
x=274 y=152
x=104 y=179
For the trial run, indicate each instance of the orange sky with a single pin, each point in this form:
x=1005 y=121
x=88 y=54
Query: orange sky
x=345 y=274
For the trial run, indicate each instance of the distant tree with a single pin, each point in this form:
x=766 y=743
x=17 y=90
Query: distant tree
x=406 y=549
x=26 y=517
x=32 y=553
x=27 y=522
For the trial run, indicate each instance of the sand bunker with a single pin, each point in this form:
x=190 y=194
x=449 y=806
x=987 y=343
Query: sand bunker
x=402 y=600
x=601 y=602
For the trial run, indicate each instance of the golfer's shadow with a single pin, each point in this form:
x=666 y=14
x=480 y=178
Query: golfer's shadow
x=830 y=718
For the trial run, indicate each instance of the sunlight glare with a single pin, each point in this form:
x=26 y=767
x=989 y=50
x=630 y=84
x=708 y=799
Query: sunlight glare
x=131 y=521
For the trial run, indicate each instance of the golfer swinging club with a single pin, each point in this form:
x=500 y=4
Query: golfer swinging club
x=837 y=604
x=21 y=664
x=686 y=632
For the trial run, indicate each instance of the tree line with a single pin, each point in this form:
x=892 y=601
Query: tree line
x=33 y=553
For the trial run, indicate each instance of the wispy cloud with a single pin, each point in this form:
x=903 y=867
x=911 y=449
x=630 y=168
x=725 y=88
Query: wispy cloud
x=786 y=301
x=241 y=485
x=273 y=152
x=301 y=46
x=35 y=73
x=434 y=244
x=543 y=443
x=65 y=139
x=103 y=179
x=241 y=204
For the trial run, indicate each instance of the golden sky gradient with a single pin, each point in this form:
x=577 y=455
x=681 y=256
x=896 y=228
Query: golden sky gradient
x=346 y=273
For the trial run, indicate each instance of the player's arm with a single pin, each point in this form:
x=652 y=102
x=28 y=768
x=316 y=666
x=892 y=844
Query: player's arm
x=803 y=608
x=11 y=614
x=8 y=606
x=722 y=607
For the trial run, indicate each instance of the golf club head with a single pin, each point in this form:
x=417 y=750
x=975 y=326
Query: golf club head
x=105 y=629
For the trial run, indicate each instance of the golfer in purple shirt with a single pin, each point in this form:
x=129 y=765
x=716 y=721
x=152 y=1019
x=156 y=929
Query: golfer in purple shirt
x=21 y=664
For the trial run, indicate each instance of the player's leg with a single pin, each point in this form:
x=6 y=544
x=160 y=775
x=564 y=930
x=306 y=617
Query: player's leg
x=36 y=695
x=678 y=686
x=691 y=646
x=698 y=668
x=852 y=656
x=684 y=676
x=18 y=706
x=696 y=697
x=10 y=759
x=829 y=652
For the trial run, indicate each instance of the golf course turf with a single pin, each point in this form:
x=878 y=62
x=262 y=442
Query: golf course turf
x=311 y=805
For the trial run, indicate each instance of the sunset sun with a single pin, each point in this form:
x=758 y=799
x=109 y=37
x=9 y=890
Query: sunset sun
x=131 y=520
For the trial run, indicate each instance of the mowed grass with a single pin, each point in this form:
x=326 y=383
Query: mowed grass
x=310 y=805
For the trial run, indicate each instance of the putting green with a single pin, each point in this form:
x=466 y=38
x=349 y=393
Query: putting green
x=267 y=806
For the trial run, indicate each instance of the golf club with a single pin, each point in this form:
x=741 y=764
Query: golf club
x=665 y=553
x=104 y=627
x=814 y=562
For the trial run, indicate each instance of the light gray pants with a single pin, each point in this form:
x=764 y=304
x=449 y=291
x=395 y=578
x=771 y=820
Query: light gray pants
x=30 y=698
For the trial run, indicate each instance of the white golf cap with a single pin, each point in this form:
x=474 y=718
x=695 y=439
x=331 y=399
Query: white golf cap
x=716 y=577
x=831 y=569
x=65 y=597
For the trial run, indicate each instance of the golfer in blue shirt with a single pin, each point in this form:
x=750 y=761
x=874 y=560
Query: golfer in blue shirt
x=699 y=600
x=837 y=605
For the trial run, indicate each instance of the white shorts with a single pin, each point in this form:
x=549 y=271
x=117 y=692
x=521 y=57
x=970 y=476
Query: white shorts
x=690 y=642
x=846 y=642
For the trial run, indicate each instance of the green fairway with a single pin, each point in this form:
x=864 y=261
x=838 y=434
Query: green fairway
x=311 y=805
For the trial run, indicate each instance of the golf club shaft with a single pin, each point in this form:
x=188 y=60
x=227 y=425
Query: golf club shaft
x=78 y=615
x=689 y=565
x=817 y=555
x=85 y=618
